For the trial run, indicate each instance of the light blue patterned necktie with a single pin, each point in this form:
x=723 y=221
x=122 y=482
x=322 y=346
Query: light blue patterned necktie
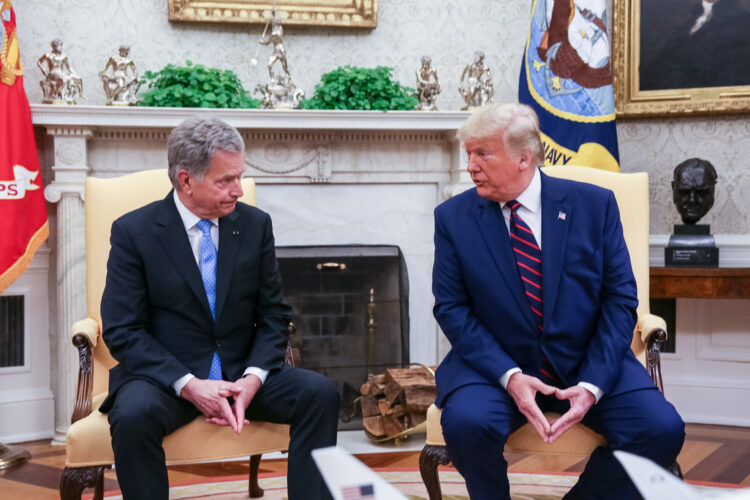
x=208 y=273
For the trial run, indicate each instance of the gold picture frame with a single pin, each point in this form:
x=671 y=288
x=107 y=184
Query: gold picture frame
x=339 y=13
x=650 y=82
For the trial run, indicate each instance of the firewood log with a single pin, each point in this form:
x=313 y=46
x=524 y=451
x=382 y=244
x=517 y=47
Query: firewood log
x=374 y=425
x=369 y=406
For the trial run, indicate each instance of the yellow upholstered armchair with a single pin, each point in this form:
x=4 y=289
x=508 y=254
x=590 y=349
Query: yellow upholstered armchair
x=631 y=192
x=88 y=448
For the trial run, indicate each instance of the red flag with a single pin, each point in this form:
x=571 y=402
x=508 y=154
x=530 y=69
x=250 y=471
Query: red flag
x=23 y=216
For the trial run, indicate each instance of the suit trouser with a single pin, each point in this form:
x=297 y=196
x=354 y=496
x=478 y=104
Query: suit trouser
x=477 y=420
x=143 y=414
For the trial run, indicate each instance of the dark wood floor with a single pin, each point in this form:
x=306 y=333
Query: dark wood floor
x=711 y=453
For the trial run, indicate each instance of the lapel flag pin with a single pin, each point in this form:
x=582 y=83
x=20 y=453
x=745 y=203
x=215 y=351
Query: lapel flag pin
x=561 y=215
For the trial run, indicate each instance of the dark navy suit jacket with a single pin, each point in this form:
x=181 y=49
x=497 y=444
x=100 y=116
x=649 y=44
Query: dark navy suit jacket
x=156 y=319
x=588 y=285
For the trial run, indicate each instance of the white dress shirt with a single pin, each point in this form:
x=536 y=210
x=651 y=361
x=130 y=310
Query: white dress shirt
x=531 y=213
x=195 y=236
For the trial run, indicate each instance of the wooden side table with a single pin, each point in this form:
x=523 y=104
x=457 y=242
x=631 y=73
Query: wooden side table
x=700 y=283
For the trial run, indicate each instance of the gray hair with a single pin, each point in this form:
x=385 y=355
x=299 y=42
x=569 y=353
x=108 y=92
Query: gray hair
x=192 y=144
x=517 y=123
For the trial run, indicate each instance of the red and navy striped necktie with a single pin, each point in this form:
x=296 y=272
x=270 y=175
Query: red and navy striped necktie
x=529 y=259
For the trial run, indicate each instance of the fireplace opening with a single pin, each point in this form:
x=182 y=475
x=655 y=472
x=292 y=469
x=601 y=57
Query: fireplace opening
x=350 y=306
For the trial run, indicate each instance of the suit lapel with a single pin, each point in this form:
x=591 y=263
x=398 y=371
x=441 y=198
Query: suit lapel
x=229 y=244
x=556 y=219
x=172 y=235
x=495 y=234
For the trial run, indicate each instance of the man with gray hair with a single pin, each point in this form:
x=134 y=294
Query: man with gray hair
x=534 y=290
x=194 y=313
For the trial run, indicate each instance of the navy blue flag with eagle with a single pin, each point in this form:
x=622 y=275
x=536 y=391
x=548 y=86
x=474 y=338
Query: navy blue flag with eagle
x=566 y=77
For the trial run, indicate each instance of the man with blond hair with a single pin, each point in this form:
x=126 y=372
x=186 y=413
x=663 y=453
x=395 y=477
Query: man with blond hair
x=534 y=290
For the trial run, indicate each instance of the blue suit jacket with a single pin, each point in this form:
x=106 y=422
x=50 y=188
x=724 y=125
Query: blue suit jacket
x=589 y=292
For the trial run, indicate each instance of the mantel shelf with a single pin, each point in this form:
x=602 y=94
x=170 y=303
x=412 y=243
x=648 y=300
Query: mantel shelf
x=147 y=117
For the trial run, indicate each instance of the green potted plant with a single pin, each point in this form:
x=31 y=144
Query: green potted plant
x=350 y=87
x=195 y=86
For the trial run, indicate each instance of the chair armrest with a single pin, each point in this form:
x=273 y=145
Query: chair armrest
x=649 y=325
x=653 y=332
x=85 y=336
x=88 y=327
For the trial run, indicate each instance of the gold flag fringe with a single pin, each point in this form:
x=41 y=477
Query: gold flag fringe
x=18 y=268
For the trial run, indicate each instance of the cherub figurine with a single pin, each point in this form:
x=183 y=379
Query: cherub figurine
x=120 y=87
x=428 y=86
x=476 y=83
x=61 y=83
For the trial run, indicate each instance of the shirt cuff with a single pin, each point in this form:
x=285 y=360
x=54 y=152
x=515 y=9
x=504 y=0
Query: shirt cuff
x=597 y=392
x=258 y=372
x=506 y=376
x=181 y=382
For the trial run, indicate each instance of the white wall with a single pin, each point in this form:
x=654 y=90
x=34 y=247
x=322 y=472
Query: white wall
x=26 y=403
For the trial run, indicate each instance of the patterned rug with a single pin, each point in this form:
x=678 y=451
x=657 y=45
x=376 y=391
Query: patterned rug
x=523 y=486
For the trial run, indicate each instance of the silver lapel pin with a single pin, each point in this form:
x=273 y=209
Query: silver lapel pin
x=561 y=215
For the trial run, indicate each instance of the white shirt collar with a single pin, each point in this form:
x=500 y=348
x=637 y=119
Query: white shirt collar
x=531 y=198
x=189 y=219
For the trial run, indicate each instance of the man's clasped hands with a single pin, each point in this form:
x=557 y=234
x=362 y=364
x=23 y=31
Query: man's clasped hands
x=212 y=398
x=523 y=389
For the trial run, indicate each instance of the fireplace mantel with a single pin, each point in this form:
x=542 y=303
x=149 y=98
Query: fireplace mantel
x=283 y=146
x=49 y=115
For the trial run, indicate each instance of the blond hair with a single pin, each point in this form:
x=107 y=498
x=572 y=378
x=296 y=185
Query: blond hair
x=516 y=123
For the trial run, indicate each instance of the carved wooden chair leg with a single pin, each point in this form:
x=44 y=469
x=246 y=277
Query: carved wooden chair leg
x=676 y=469
x=99 y=488
x=74 y=481
x=254 y=488
x=429 y=459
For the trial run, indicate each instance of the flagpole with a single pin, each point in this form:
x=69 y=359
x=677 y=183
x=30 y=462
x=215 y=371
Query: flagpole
x=12 y=455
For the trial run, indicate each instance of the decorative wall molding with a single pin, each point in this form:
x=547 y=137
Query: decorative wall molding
x=125 y=134
x=279 y=159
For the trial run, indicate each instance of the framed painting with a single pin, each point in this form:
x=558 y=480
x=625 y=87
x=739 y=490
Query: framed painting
x=340 y=13
x=681 y=57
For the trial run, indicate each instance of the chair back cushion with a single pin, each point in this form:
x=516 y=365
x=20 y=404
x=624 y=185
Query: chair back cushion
x=631 y=192
x=107 y=200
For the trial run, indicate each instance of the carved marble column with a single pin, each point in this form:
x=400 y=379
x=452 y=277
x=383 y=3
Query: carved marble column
x=70 y=170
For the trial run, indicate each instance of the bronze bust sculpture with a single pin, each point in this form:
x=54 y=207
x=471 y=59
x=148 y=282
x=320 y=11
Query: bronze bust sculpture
x=692 y=245
x=693 y=189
